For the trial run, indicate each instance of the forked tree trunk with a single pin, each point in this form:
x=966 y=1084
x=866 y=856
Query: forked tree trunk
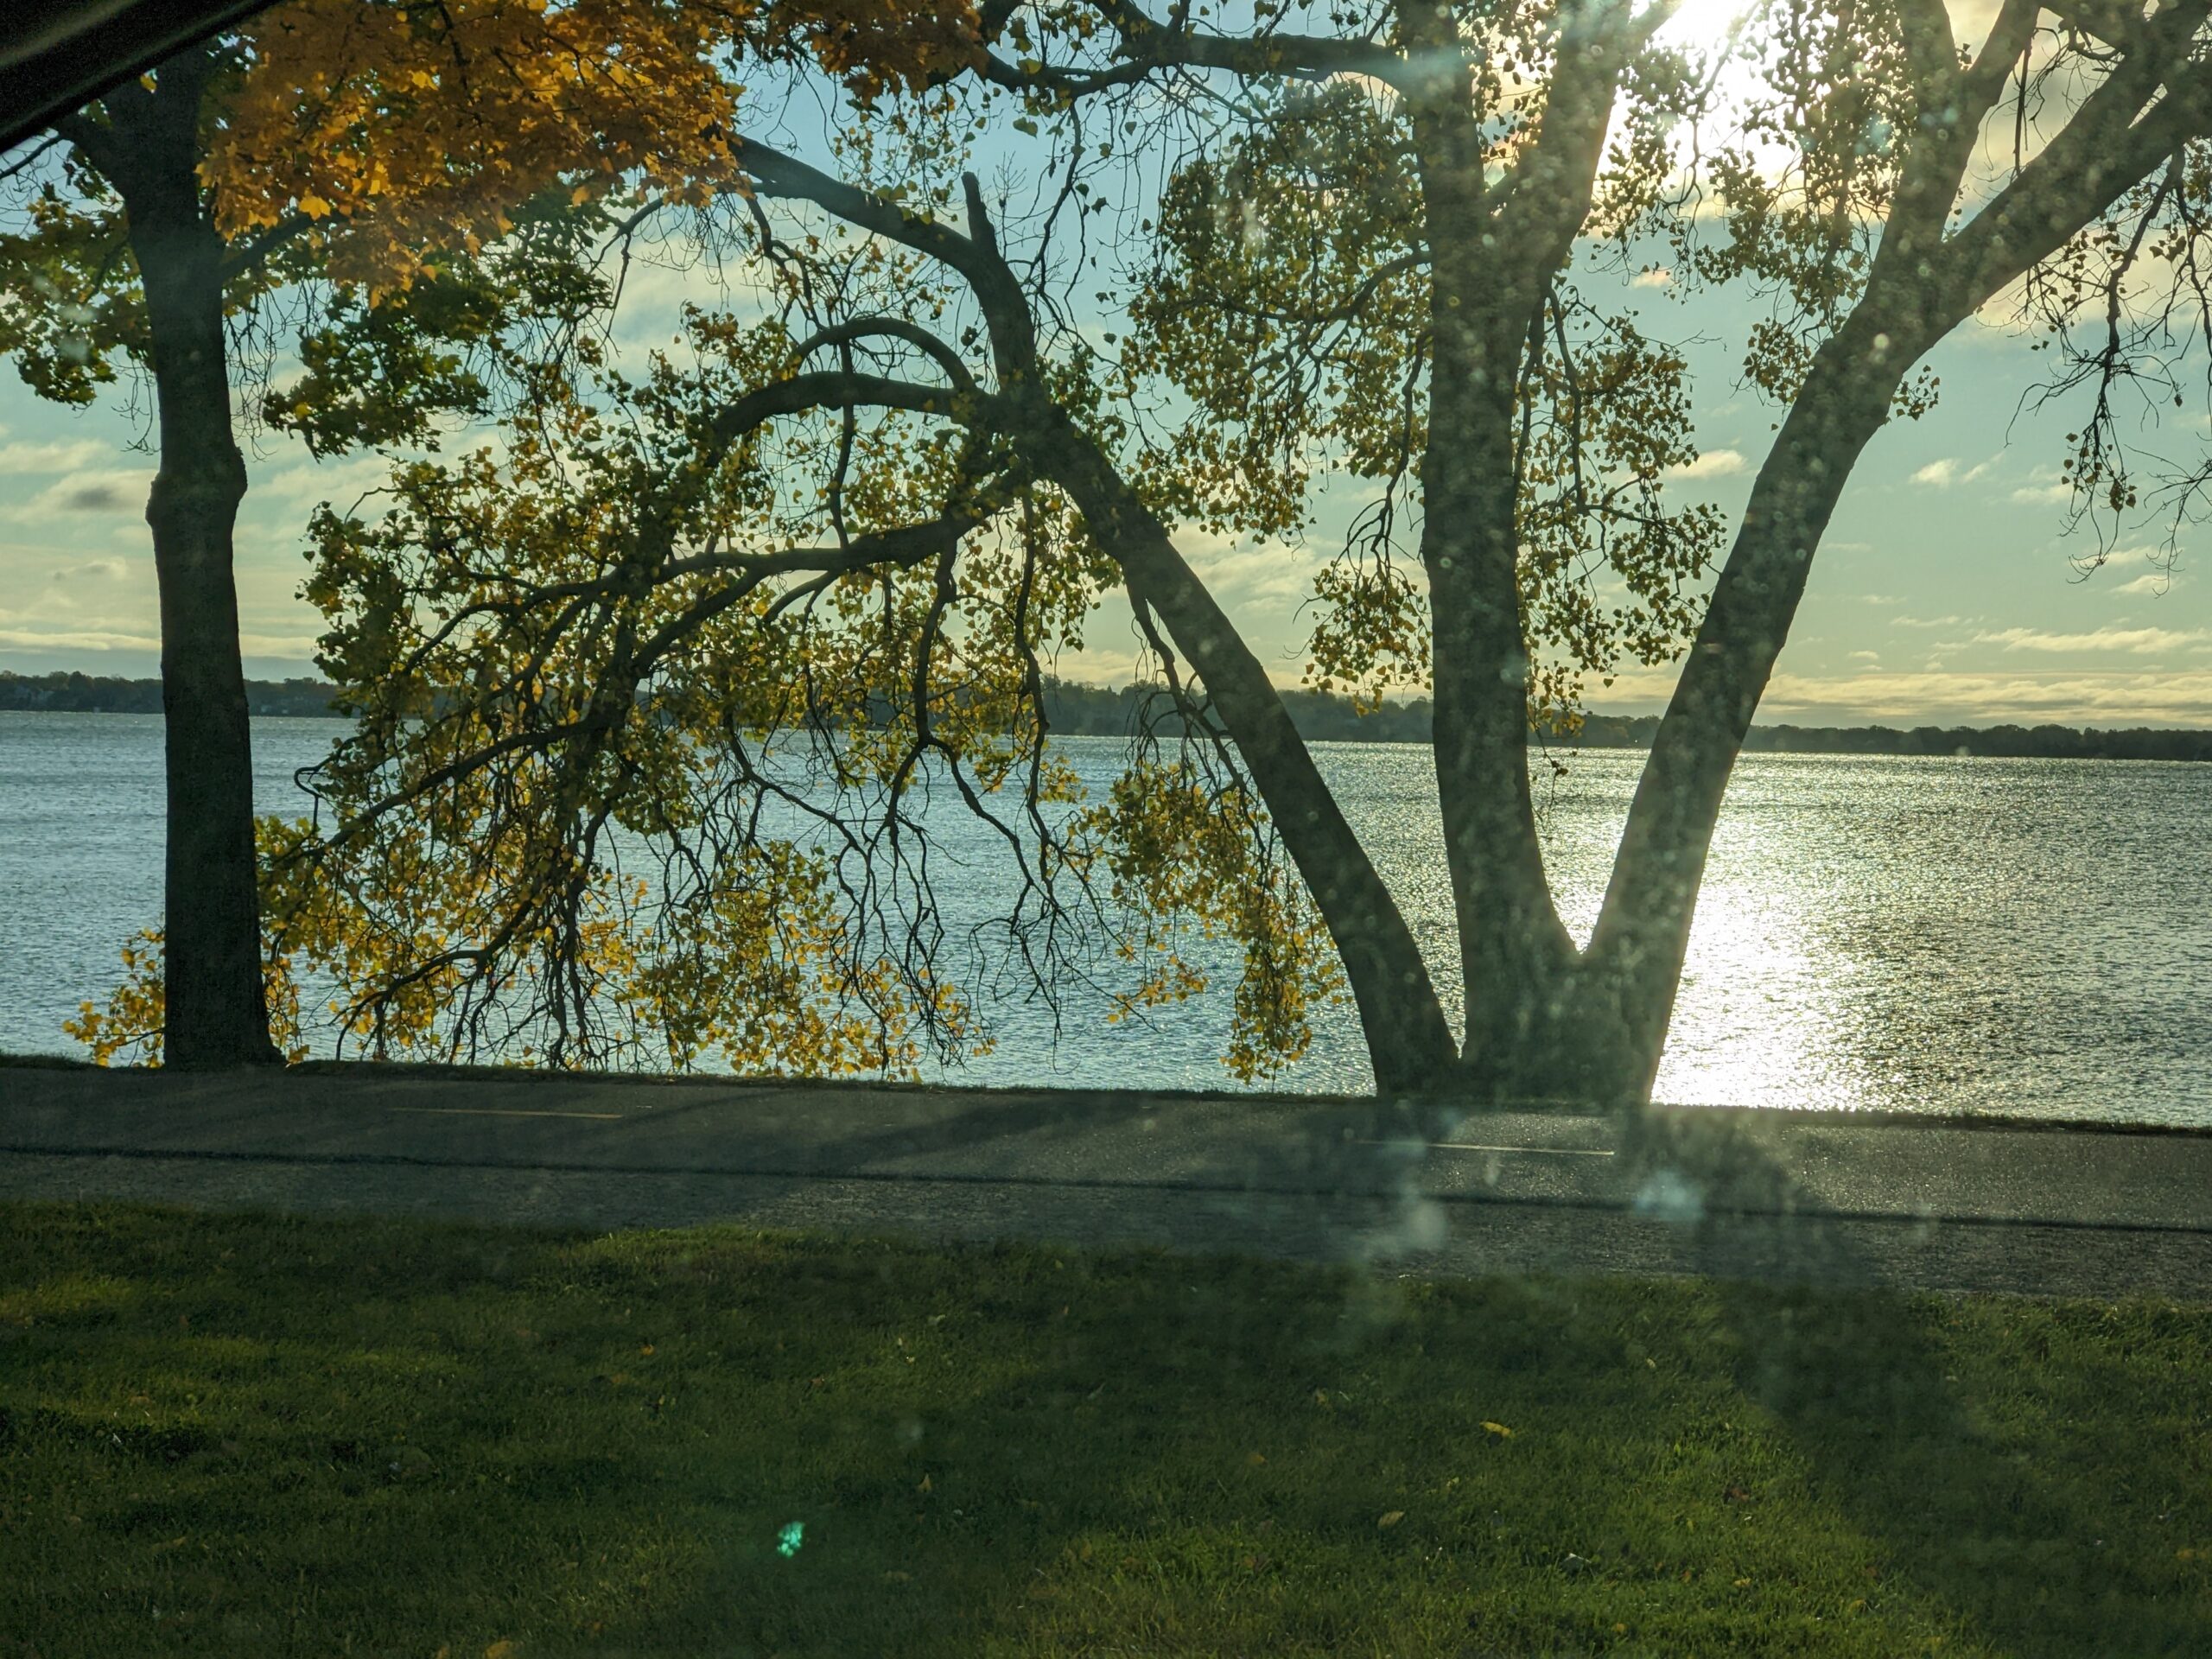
x=217 y=1009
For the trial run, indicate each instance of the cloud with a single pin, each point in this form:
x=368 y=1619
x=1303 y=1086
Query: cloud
x=76 y=639
x=107 y=569
x=1962 y=698
x=84 y=492
x=2154 y=583
x=2140 y=642
x=1657 y=277
x=73 y=456
x=1270 y=572
x=1713 y=463
x=104 y=496
x=1941 y=475
x=306 y=482
x=1866 y=657
x=1926 y=622
x=2044 y=495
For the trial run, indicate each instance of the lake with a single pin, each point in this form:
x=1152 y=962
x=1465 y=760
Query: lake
x=1903 y=933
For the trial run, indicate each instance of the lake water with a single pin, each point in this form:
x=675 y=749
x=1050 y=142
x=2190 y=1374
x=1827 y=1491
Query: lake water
x=1923 y=935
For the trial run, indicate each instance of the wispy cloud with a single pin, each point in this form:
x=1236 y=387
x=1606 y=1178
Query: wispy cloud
x=2154 y=583
x=2044 y=495
x=2140 y=642
x=1657 y=277
x=1962 y=698
x=72 y=455
x=1713 y=463
x=1899 y=696
x=1926 y=622
x=1269 y=573
x=76 y=639
x=96 y=570
x=305 y=482
x=1942 y=473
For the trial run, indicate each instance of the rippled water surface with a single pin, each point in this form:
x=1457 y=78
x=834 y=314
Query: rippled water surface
x=1937 y=934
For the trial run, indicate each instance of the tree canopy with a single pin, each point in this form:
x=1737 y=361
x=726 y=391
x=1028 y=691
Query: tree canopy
x=339 y=145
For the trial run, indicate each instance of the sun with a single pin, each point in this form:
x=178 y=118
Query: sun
x=1701 y=25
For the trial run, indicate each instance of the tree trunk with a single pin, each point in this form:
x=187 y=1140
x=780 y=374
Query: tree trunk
x=1494 y=254
x=1514 y=950
x=216 y=1005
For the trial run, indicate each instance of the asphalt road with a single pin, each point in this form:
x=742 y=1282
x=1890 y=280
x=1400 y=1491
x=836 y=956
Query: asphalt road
x=1766 y=1195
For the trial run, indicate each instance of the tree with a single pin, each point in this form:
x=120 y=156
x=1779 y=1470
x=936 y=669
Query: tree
x=349 y=142
x=1854 y=192
x=1365 y=245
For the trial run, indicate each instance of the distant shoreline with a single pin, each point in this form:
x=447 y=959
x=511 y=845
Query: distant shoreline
x=1077 y=711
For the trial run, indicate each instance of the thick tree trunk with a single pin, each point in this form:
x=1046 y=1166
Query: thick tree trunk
x=1515 y=954
x=1514 y=950
x=217 y=1007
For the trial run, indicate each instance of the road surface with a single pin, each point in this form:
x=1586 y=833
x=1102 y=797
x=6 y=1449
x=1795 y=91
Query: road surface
x=1777 y=1196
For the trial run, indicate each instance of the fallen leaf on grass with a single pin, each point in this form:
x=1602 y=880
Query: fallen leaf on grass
x=1386 y=1521
x=1255 y=1459
x=1498 y=1429
x=499 y=1649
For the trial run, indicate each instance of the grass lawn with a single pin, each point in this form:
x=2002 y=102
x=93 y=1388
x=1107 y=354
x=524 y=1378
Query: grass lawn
x=245 y=1435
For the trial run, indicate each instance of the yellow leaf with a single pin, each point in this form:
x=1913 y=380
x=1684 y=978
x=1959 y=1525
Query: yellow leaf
x=925 y=1487
x=1391 y=1519
x=499 y=1649
x=314 y=207
x=1255 y=1459
x=1498 y=1429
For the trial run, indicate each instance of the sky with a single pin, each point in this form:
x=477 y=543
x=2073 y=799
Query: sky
x=1946 y=592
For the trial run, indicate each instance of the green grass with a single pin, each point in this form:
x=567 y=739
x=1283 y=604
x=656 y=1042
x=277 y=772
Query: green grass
x=248 y=1436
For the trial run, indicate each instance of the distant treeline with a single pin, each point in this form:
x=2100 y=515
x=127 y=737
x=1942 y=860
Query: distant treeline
x=87 y=694
x=1080 y=709
x=1077 y=711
